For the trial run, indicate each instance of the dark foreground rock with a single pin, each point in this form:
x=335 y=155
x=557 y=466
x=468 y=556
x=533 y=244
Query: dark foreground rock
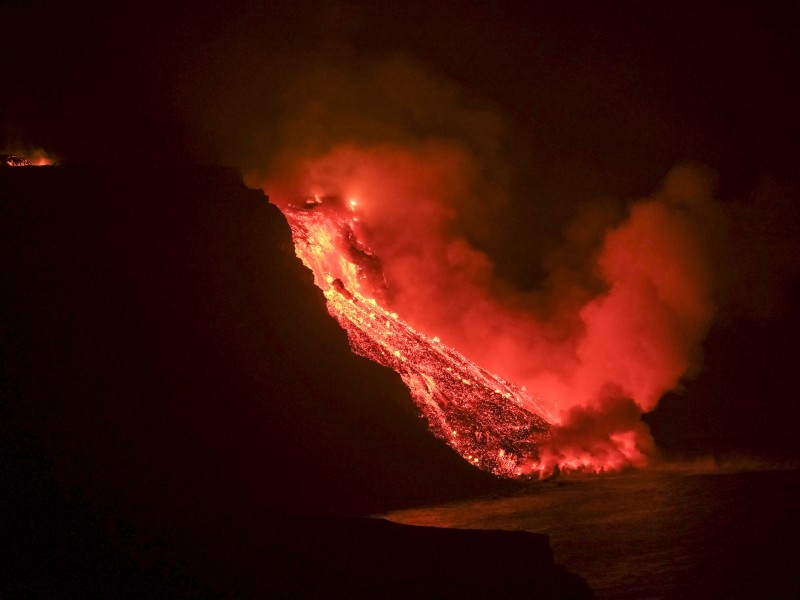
x=373 y=558
x=170 y=379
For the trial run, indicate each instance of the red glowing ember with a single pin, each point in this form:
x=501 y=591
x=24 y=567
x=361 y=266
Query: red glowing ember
x=12 y=160
x=32 y=158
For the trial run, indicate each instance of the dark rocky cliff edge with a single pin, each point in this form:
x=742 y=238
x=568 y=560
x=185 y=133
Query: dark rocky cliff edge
x=180 y=416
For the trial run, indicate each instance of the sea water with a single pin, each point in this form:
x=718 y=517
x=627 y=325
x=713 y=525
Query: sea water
x=657 y=534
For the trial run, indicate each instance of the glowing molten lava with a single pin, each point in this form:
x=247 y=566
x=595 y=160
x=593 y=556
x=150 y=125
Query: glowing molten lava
x=493 y=424
x=12 y=160
x=34 y=158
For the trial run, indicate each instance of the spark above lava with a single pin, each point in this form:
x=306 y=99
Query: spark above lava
x=492 y=423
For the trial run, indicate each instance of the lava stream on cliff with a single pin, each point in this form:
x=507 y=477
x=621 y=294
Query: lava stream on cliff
x=492 y=423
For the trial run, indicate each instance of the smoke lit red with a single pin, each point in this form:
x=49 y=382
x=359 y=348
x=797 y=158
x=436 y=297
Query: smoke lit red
x=376 y=225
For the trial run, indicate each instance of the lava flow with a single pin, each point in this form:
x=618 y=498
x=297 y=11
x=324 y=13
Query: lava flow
x=12 y=160
x=34 y=158
x=495 y=425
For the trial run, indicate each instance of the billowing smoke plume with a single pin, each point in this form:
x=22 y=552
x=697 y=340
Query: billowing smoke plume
x=618 y=317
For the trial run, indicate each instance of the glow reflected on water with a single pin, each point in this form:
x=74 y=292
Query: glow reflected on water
x=656 y=534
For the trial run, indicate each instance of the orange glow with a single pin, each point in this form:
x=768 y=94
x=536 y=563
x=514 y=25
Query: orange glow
x=35 y=157
x=594 y=359
x=483 y=417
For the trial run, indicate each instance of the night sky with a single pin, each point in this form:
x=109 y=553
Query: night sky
x=593 y=102
x=611 y=95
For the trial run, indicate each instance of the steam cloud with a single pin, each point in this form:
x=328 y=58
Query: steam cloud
x=626 y=299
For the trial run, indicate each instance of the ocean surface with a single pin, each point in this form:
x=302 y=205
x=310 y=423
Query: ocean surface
x=656 y=534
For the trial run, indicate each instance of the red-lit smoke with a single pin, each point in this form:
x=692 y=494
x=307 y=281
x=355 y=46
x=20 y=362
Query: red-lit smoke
x=598 y=353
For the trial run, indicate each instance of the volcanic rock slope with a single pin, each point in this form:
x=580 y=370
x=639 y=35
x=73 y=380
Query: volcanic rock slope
x=171 y=381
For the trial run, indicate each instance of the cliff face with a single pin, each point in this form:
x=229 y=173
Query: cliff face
x=171 y=375
x=162 y=335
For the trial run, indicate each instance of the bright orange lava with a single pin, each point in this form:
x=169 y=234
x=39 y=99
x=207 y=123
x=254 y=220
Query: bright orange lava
x=495 y=425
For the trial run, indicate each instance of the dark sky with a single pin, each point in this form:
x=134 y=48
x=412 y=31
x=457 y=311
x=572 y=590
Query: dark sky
x=611 y=94
x=597 y=99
